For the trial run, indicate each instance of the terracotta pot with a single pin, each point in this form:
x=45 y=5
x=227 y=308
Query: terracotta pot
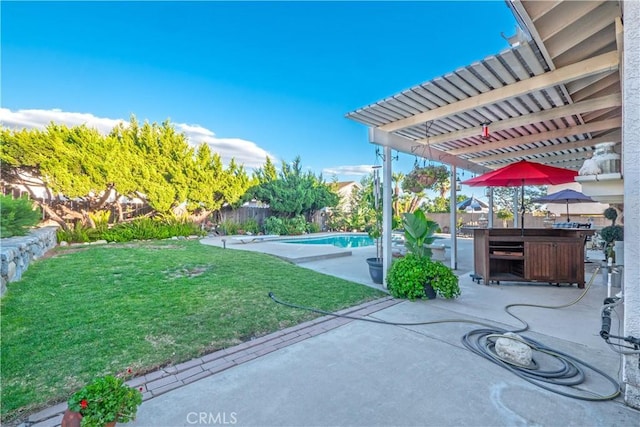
x=71 y=419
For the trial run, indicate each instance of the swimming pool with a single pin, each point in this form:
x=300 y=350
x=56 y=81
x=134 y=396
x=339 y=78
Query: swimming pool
x=350 y=241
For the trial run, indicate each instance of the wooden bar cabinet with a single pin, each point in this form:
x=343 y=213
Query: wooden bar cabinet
x=530 y=255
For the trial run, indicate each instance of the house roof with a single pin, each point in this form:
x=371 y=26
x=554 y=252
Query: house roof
x=549 y=98
x=343 y=184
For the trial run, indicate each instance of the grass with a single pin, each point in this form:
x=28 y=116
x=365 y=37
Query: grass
x=94 y=310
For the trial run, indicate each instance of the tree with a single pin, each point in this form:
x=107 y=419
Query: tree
x=503 y=196
x=149 y=161
x=266 y=173
x=294 y=193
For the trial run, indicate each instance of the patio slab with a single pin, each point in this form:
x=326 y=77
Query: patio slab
x=371 y=374
x=363 y=373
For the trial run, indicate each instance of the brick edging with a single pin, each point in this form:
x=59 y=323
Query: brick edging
x=171 y=377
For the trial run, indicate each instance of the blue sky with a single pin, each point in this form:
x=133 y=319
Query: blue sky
x=250 y=78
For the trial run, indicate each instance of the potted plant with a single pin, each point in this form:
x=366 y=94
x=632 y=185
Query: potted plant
x=104 y=401
x=416 y=275
x=374 y=229
x=424 y=177
x=375 y=264
x=611 y=234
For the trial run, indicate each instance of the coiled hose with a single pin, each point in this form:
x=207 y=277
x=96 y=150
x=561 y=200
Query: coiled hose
x=568 y=371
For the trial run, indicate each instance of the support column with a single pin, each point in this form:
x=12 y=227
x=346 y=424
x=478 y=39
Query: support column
x=631 y=171
x=387 y=213
x=453 y=195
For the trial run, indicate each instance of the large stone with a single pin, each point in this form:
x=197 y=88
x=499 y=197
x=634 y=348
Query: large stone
x=510 y=348
x=11 y=271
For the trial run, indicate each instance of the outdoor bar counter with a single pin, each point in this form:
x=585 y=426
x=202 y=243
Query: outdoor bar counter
x=530 y=255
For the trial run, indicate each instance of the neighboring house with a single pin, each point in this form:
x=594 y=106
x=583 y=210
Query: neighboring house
x=345 y=191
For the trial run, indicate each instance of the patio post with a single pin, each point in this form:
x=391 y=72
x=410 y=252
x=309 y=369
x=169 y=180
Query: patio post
x=631 y=167
x=387 y=193
x=453 y=219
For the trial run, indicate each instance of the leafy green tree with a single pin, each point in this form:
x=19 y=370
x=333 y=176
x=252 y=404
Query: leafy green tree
x=267 y=172
x=503 y=196
x=295 y=192
x=16 y=216
x=150 y=161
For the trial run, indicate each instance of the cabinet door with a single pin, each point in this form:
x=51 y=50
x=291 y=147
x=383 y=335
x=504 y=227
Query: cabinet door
x=569 y=263
x=539 y=263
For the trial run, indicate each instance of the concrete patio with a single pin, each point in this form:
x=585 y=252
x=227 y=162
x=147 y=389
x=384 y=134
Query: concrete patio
x=360 y=373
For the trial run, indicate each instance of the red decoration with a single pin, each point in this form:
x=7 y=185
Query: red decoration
x=485 y=130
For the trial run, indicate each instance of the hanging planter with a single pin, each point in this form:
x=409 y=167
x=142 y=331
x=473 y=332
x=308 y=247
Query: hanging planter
x=426 y=177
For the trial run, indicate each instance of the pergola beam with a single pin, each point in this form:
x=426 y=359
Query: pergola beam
x=602 y=63
x=609 y=101
x=405 y=145
x=612 y=137
x=542 y=136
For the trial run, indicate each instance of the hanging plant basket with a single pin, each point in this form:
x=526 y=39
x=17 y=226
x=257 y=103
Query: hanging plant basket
x=426 y=177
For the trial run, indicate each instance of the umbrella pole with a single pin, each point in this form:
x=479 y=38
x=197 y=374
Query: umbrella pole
x=522 y=209
x=568 y=219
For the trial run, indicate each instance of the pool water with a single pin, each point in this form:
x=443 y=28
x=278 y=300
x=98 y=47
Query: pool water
x=353 y=241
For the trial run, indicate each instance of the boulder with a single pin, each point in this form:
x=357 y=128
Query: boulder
x=511 y=348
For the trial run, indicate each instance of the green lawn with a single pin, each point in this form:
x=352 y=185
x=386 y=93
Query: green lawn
x=93 y=310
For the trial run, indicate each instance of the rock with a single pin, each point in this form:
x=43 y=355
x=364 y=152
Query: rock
x=11 y=271
x=63 y=243
x=510 y=348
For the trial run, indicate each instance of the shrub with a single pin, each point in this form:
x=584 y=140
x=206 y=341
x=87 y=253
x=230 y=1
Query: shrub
x=17 y=216
x=611 y=214
x=251 y=226
x=296 y=225
x=229 y=227
x=443 y=280
x=100 y=219
x=612 y=233
x=312 y=227
x=408 y=275
x=274 y=225
x=138 y=229
x=77 y=233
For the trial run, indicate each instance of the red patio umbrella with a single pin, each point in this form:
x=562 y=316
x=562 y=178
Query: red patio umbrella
x=523 y=173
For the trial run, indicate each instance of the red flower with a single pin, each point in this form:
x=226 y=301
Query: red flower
x=129 y=371
x=140 y=389
x=84 y=403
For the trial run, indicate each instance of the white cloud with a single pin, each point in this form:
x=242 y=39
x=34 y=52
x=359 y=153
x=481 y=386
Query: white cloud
x=41 y=118
x=353 y=170
x=245 y=152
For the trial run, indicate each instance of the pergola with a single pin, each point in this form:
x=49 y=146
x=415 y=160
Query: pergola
x=549 y=98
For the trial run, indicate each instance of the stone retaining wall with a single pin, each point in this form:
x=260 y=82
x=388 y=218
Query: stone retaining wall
x=16 y=253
